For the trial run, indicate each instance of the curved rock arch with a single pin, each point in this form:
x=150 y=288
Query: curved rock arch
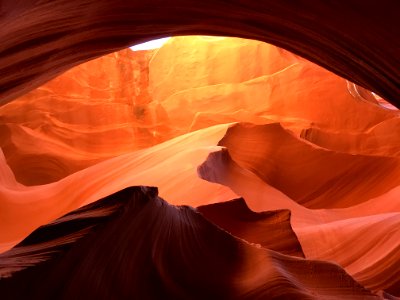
x=355 y=39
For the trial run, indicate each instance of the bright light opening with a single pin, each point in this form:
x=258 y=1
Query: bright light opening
x=154 y=44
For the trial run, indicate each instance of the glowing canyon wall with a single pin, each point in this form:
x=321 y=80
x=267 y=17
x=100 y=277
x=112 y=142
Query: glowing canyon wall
x=291 y=172
x=280 y=179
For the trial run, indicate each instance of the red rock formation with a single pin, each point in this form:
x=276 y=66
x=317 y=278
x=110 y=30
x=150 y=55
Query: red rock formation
x=138 y=99
x=316 y=148
x=328 y=179
x=271 y=230
x=93 y=112
x=38 y=205
x=341 y=235
x=41 y=39
x=163 y=252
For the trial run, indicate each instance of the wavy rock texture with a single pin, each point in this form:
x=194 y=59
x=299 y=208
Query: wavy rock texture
x=328 y=179
x=93 y=112
x=178 y=158
x=41 y=39
x=372 y=142
x=167 y=263
x=312 y=167
x=136 y=100
x=270 y=230
x=341 y=235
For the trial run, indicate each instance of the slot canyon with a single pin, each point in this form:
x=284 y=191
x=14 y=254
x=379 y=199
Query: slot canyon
x=251 y=153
